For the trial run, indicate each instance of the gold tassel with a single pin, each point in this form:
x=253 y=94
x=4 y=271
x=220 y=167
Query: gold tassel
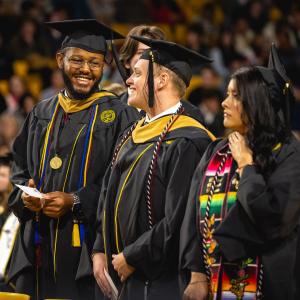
x=75 y=234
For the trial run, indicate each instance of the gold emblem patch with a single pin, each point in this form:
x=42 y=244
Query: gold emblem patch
x=108 y=116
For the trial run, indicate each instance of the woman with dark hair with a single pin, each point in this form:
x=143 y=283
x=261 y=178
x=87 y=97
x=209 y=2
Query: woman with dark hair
x=240 y=231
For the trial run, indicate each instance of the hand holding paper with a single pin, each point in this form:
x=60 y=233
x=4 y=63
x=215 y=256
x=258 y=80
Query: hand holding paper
x=31 y=196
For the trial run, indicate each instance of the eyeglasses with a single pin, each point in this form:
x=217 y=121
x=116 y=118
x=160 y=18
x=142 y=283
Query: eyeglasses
x=78 y=61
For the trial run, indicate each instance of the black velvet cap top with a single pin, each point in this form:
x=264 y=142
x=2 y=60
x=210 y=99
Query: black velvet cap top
x=280 y=90
x=172 y=56
x=89 y=35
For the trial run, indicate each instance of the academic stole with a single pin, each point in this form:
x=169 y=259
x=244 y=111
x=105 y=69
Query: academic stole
x=239 y=280
x=78 y=227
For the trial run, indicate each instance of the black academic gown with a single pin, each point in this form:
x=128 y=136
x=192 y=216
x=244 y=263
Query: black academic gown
x=72 y=266
x=190 y=109
x=123 y=213
x=263 y=222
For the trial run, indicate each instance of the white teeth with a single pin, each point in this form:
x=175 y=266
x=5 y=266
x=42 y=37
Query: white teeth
x=84 y=79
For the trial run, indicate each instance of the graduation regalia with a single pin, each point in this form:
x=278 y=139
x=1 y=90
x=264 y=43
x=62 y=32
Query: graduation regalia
x=51 y=257
x=144 y=195
x=243 y=232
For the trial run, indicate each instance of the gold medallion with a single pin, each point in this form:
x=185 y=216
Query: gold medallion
x=55 y=162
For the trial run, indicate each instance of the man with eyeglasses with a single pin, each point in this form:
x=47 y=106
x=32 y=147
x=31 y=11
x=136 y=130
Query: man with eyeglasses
x=63 y=150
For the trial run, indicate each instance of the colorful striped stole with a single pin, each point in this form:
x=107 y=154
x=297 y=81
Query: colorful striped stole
x=237 y=280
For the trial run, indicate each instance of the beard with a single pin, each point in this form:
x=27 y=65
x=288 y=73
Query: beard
x=76 y=94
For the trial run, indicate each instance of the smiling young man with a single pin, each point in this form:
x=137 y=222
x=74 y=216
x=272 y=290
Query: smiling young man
x=131 y=52
x=144 y=194
x=63 y=150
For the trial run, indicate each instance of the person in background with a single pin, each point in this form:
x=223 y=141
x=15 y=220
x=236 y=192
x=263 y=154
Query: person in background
x=132 y=51
x=209 y=81
x=116 y=88
x=211 y=110
x=10 y=124
x=26 y=105
x=195 y=40
x=16 y=91
x=57 y=84
x=9 y=223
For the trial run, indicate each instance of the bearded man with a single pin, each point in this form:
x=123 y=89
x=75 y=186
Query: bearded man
x=63 y=150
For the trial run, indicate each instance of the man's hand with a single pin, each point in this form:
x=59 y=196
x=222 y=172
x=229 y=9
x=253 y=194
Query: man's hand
x=32 y=203
x=99 y=263
x=197 y=291
x=121 y=266
x=57 y=204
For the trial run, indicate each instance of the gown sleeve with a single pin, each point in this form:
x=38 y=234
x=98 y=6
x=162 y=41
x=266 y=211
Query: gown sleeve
x=160 y=244
x=19 y=172
x=265 y=211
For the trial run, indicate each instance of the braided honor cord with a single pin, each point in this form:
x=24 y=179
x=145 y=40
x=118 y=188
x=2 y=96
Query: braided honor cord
x=259 y=293
x=122 y=142
x=153 y=162
x=211 y=192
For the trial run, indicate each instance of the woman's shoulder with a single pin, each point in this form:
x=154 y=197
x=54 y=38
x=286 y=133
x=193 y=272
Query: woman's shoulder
x=286 y=149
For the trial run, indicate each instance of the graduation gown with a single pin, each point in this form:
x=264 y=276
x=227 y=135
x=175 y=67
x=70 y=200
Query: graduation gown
x=263 y=221
x=71 y=266
x=123 y=214
x=190 y=109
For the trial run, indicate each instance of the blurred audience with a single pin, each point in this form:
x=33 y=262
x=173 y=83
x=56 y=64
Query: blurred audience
x=116 y=88
x=209 y=82
x=57 y=84
x=16 y=91
x=26 y=105
x=10 y=125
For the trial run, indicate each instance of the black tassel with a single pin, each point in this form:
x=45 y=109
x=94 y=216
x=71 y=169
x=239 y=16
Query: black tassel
x=287 y=116
x=120 y=68
x=151 y=79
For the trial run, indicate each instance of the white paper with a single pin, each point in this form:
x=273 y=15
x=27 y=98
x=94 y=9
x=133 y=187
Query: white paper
x=113 y=288
x=33 y=192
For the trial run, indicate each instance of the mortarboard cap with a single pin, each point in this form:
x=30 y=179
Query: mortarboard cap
x=89 y=35
x=280 y=90
x=170 y=55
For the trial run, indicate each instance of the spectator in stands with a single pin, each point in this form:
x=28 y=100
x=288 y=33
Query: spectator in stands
x=28 y=42
x=10 y=125
x=209 y=82
x=195 y=40
x=6 y=61
x=53 y=37
x=256 y=16
x=295 y=23
x=132 y=11
x=16 y=91
x=26 y=105
x=166 y=11
x=289 y=55
x=212 y=112
x=57 y=84
x=103 y=10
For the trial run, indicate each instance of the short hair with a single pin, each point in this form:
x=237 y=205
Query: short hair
x=178 y=85
x=129 y=48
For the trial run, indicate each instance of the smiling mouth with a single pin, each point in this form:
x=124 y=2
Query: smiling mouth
x=132 y=90
x=226 y=114
x=82 y=80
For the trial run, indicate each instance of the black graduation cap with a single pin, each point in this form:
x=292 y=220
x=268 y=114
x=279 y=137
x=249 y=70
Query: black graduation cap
x=280 y=90
x=7 y=160
x=89 y=35
x=170 y=55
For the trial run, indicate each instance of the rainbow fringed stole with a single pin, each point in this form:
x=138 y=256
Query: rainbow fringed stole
x=78 y=227
x=239 y=280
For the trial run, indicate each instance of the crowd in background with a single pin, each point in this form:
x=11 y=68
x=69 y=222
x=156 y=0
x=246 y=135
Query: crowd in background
x=234 y=33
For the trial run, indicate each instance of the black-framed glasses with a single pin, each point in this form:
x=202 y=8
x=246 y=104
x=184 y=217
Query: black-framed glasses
x=77 y=61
